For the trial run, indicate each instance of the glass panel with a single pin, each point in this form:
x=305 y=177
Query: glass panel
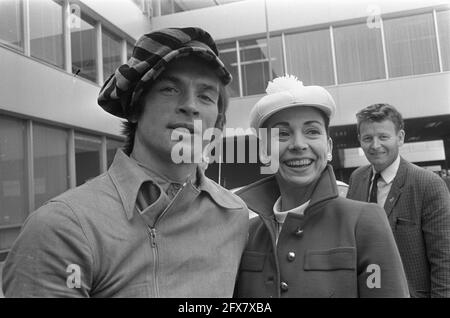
x=276 y=53
x=130 y=48
x=87 y=157
x=443 y=21
x=411 y=45
x=359 y=53
x=309 y=57
x=51 y=176
x=13 y=172
x=83 y=41
x=111 y=149
x=11 y=23
x=170 y=7
x=46 y=31
x=112 y=51
x=255 y=64
x=228 y=55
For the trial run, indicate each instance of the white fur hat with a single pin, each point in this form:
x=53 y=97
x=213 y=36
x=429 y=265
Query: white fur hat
x=287 y=91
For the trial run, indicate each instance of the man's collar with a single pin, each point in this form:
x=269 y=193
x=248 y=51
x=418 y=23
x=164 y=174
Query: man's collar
x=221 y=196
x=390 y=172
x=128 y=178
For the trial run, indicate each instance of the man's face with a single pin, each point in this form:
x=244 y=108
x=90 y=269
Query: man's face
x=303 y=145
x=380 y=142
x=187 y=90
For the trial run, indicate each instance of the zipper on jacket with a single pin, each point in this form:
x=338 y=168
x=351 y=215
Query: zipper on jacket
x=152 y=235
x=170 y=205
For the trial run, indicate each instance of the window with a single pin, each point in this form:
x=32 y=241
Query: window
x=309 y=57
x=13 y=179
x=87 y=157
x=359 y=53
x=46 y=31
x=411 y=45
x=255 y=64
x=112 y=53
x=130 y=48
x=443 y=22
x=228 y=55
x=51 y=176
x=84 y=49
x=111 y=149
x=11 y=26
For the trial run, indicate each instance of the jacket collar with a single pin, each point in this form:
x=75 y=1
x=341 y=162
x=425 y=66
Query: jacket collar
x=128 y=178
x=262 y=195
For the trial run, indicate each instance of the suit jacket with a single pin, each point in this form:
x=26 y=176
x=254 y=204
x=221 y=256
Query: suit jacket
x=418 y=209
x=334 y=250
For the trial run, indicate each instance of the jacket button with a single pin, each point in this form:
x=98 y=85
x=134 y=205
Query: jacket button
x=284 y=286
x=291 y=256
x=299 y=232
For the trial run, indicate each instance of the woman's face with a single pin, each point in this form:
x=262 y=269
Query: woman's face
x=303 y=144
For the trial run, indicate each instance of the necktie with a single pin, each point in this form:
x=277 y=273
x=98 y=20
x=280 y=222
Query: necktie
x=374 y=189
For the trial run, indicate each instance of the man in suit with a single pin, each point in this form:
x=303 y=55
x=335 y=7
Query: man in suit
x=416 y=201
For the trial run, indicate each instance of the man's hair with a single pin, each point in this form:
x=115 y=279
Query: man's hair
x=378 y=113
x=129 y=128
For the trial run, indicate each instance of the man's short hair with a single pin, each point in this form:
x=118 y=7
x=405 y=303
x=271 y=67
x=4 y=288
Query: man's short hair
x=378 y=113
x=129 y=128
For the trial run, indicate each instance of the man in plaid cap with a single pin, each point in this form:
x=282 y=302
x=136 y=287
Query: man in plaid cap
x=148 y=227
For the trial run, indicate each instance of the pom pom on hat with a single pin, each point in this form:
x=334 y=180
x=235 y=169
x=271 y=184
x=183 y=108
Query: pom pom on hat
x=283 y=83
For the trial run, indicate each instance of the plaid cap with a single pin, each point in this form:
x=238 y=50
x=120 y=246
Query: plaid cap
x=151 y=55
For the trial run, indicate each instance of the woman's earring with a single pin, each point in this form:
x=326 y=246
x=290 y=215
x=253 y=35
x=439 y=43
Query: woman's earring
x=205 y=161
x=329 y=157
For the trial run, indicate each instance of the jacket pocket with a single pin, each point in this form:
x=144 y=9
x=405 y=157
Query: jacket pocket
x=252 y=261
x=332 y=259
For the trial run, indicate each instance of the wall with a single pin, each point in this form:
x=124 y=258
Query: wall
x=34 y=89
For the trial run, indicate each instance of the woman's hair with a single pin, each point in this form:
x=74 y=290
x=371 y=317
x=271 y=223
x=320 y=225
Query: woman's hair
x=129 y=128
x=379 y=113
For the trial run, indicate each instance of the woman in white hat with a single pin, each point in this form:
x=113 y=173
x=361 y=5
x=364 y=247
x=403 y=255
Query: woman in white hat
x=306 y=240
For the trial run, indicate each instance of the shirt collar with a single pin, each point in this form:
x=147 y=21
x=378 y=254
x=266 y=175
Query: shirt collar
x=160 y=178
x=390 y=172
x=281 y=215
x=128 y=177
